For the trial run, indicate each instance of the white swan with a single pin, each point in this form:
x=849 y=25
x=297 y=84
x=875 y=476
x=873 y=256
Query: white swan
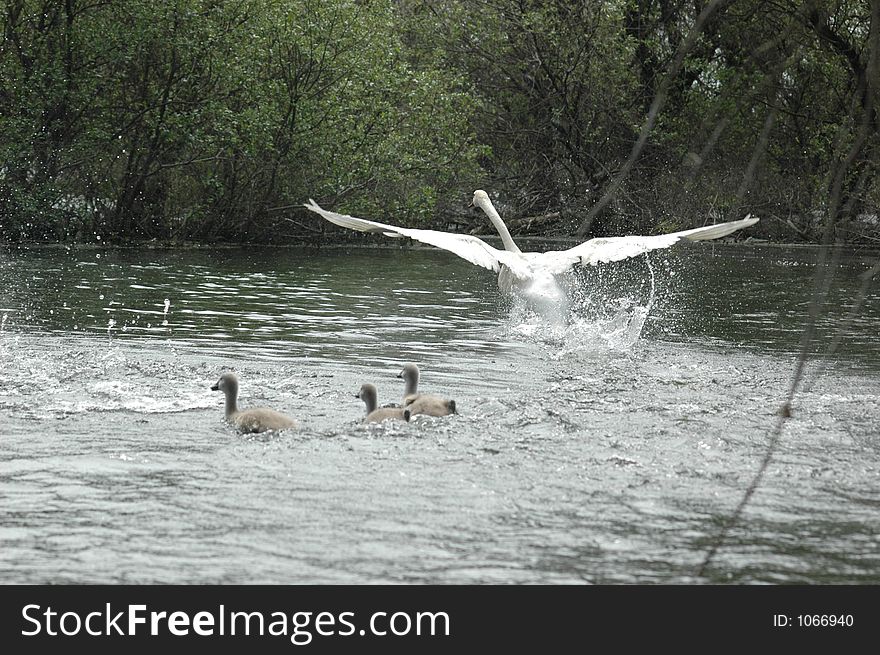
x=532 y=273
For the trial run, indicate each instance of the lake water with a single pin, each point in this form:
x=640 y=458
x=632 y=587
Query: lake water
x=609 y=449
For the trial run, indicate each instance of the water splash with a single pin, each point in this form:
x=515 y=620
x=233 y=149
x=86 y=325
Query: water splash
x=592 y=317
x=165 y=312
x=548 y=299
x=110 y=325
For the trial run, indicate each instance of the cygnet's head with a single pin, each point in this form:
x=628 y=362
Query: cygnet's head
x=410 y=373
x=227 y=383
x=481 y=198
x=368 y=394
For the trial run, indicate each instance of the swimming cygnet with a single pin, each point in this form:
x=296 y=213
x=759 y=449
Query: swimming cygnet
x=369 y=395
x=256 y=419
x=422 y=403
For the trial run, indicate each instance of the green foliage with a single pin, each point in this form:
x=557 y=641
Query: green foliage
x=210 y=120
x=197 y=119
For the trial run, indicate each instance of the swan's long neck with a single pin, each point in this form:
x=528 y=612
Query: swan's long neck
x=506 y=239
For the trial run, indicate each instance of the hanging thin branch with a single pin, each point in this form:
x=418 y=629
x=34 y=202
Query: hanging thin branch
x=656 y=106
x=821 y=283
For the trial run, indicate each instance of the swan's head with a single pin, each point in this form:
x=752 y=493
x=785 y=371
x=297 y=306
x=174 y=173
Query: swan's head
x=481 y=199
x=227 y=383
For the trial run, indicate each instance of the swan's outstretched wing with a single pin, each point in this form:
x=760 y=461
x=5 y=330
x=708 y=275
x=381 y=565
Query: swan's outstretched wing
x=613 y=249
x=466 y=246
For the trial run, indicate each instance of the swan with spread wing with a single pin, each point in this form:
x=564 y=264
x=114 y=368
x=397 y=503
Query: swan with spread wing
x=532 y=273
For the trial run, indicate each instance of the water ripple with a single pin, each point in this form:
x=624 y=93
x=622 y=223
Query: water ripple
x=603 y=449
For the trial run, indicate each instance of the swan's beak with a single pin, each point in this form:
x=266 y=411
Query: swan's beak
x=358 y=394
x=400 y=375
x=471 y=203
x=216 y=387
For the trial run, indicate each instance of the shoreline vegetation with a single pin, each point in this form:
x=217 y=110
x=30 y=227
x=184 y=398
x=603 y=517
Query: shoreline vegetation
x=196 y=121
x=375 y=242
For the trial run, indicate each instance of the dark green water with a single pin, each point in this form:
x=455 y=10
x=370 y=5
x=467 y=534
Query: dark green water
x=605 y=451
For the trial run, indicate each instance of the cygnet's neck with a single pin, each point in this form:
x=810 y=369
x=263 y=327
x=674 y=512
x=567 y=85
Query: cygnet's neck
x=412 y=383
x=231 y=402
x=506 y=239
x=370 y=400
